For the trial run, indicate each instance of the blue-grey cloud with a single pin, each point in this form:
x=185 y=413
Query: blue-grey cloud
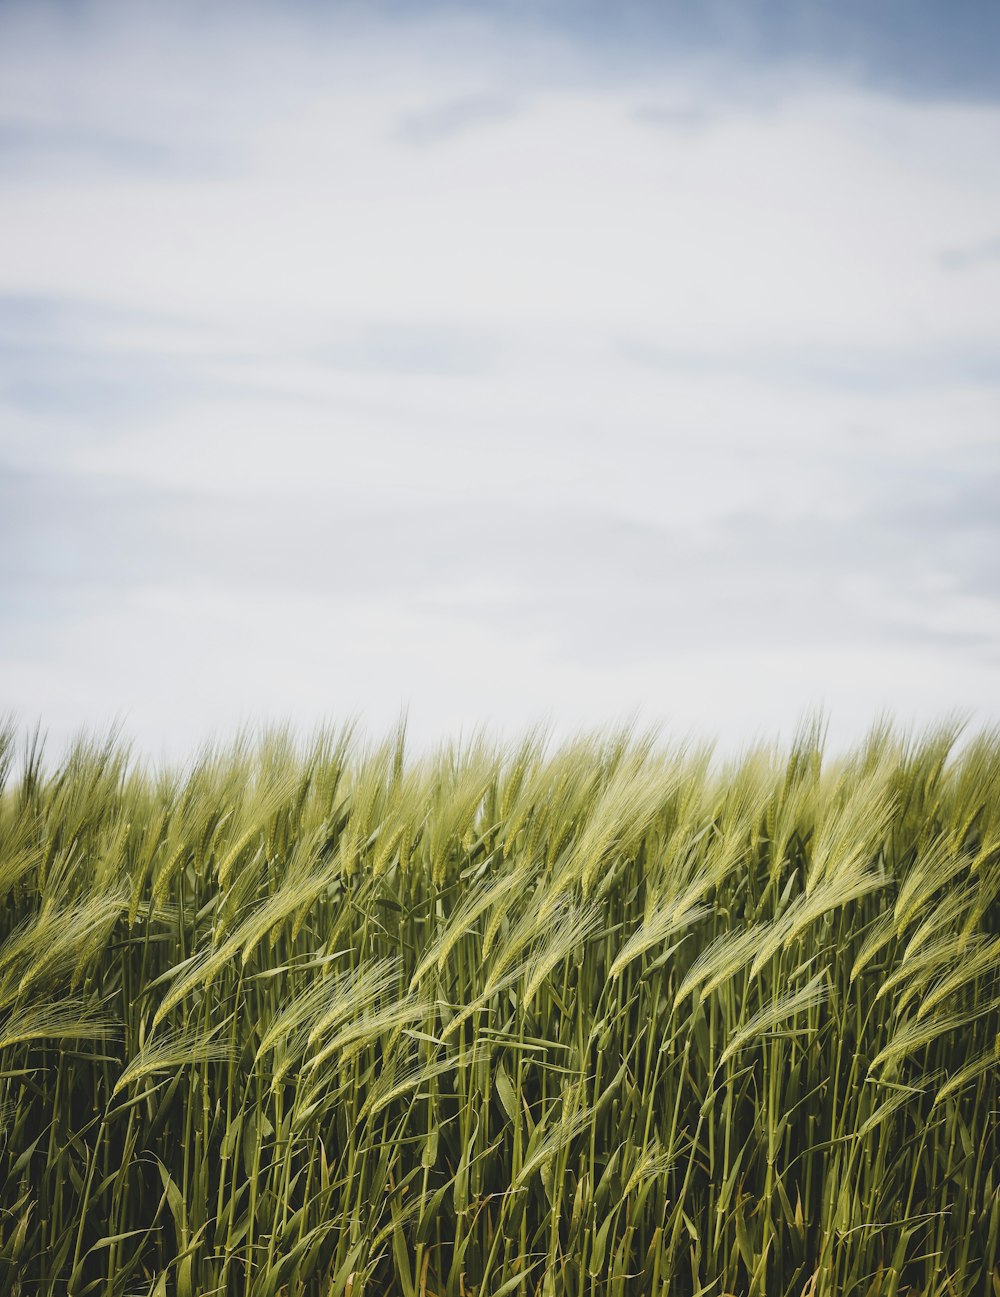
x=40 y=315
x=973 y=255
x=67 y=357
x=684 y=118
x=437 y=122
x=911 y=47
x=31 y=145
x=408 y=349
x=93 y=387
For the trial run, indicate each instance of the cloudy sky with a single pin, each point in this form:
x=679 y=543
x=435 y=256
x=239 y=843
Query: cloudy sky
x=499 y=362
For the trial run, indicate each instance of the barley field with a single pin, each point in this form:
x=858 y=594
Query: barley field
x=605 y=1017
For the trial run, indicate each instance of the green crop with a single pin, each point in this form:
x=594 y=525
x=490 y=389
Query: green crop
x=611 y=1018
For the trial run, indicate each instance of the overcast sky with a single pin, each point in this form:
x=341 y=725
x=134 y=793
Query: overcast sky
x=500 y=362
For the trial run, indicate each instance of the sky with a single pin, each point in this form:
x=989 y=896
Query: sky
x=499 y=363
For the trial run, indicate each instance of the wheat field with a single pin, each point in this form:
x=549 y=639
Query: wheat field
x=604 y=1017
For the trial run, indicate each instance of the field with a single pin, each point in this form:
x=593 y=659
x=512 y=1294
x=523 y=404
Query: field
x=603 y=1018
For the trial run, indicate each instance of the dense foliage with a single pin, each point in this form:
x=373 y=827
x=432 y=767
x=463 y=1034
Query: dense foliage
x=601 y=1019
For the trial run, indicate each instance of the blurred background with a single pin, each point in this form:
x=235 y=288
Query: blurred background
x=499 y=362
